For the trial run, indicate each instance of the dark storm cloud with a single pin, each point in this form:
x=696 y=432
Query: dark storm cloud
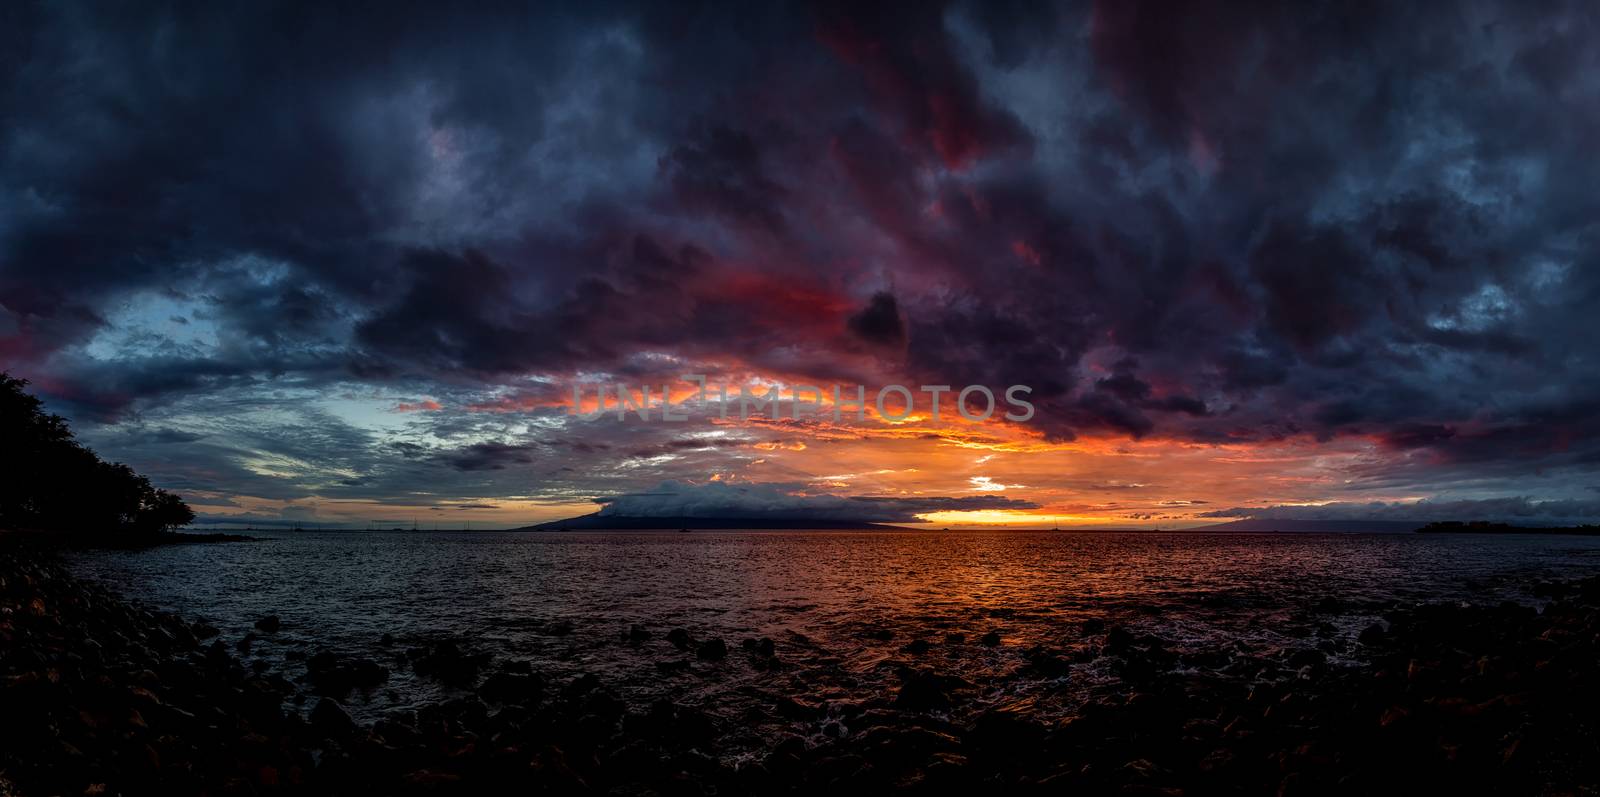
x=720 y=173
x=908 y=63
x=489 y=456
x=879 y=321
x=1215 y=222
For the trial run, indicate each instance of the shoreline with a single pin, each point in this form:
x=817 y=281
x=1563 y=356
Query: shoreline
x=146 y=702
x=51 y=540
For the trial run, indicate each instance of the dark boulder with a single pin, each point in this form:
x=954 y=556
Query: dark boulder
x=1046 y=662
x=447 y=663
x=1119 y=640
x=332 y=675
x=922 y=690
x=505 y=687
x=1307 y=658
x=713 y=649
x=331 y=720
x=791 y=709
x=761 y=647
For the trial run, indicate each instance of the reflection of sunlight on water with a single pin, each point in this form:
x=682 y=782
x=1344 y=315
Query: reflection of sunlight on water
x=841 y=606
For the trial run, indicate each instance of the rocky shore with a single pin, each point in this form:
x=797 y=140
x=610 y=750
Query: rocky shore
x=102 y=697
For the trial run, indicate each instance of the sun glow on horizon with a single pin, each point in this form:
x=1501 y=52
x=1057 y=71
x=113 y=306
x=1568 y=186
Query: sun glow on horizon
x=1021 y=519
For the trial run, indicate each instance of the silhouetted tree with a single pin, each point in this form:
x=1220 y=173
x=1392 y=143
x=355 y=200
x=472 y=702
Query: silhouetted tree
x=168 y=511
x=48 y=480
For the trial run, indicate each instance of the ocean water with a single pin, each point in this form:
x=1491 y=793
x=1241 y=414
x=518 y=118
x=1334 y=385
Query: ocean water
x=839 y=606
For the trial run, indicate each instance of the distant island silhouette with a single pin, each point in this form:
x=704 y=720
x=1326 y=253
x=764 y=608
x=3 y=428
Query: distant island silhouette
x=597 y=521
x=1486 y=527
x=1271 y=524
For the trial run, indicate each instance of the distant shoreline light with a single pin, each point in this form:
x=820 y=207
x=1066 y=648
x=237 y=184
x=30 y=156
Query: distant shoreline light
x=744 y=401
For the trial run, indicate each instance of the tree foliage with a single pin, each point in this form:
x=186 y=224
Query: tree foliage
x=51 y=481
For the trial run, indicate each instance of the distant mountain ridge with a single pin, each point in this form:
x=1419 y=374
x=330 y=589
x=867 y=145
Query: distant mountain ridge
x=1489 y=527
x=1269 y=524
x=598 y=521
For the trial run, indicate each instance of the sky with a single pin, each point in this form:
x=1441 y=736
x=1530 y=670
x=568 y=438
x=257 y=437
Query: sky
x=321 y=263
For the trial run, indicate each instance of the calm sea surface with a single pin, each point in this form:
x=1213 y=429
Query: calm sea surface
x=839 y=606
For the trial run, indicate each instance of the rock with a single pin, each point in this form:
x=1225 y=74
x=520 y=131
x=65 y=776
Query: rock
x=791 y=709
x=446 y=663
x=713 y=649
x=1004 y=733
x=916 y=647
x=332 y=675
x=674 y=724
x=269 y=624
x=1092 y=626
x=582 y=685
x=990 y=640
x=679 y=637
x=786 y=758
x=505 y=687
x=922 y=690
x=1046 y=662
x=558 y=628
x=1118 y=640
x=1307 y=658
x=368 y=673
x=837 y=769
x=322 y=660
x=331 y=720
x=427 y=779
x=635 y=634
